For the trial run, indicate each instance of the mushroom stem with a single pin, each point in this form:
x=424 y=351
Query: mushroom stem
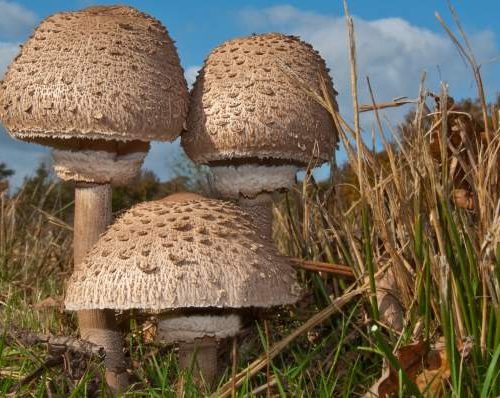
x=200 y=357
x=100 y=327
x=261 y=206
x=92 y=216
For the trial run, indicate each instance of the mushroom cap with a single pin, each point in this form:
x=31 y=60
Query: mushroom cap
x=249 y=101
x=196 y=253
x=105 y=72
x=182 y=197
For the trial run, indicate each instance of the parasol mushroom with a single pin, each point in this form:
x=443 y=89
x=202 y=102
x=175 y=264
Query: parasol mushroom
x=197 y=261
x=252 y=119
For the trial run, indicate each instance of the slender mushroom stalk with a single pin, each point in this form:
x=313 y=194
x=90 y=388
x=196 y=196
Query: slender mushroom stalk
x=99 y=113
x=100 y=328
x=92 y=216
x=196 y=261
x=200 y=357
x=196 y=335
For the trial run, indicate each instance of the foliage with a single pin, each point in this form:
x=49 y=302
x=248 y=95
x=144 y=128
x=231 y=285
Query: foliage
x=5 y=172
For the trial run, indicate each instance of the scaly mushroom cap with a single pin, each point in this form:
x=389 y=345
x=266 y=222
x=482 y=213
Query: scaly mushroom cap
x=249 y=101
x=194 y=253
x=106 y=72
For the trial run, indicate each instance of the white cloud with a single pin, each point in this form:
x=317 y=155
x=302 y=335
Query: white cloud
x=391 y=51
x=15 y=20
x=190 y=74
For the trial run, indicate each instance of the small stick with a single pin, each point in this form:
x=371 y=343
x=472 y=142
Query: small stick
x=268 y=360
x=48 y=385
x=234 y=355
x=390 y=104
x=339 y=270
x=263 y=387
x=56 y=343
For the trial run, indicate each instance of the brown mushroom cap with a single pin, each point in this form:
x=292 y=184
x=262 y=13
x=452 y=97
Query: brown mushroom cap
x=247 y=104
x=106 y=72
x=195 y=253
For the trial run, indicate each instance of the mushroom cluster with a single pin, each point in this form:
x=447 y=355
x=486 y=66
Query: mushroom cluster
x=98 y=85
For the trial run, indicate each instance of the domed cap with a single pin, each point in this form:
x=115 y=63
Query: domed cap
x=107 y=72
x=247 y=103
x=192 y=253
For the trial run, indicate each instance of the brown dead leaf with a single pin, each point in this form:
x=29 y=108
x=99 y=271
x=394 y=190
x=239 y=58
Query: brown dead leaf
x=432 y=377
x=149 y=329
x=427 y=367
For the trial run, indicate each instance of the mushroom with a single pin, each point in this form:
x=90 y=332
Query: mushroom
x=197 y=261
x=96 y=85
x=251 y=119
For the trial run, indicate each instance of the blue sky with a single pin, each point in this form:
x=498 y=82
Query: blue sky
x=397 y=40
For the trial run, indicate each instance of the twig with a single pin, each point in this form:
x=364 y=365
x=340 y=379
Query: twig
x=53 y=219
x=390 y=104
x=339 y=270
x=268 y=360
x=55 y=343
x=234 y=357
x=468 y=55
x=264 y=387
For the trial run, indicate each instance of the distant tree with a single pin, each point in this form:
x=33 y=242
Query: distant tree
x=347 y=184
x=470 y=106
x=5 y=173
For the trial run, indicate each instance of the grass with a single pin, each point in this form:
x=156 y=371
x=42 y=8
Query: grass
x=393 y=219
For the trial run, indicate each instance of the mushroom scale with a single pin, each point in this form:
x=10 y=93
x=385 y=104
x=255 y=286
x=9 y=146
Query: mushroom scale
x=105 y=72
x=198 y=253
x=250 y=102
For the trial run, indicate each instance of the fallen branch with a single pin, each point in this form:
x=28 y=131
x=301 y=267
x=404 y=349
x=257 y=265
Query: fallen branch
x=55 y=343
x=339 y=270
